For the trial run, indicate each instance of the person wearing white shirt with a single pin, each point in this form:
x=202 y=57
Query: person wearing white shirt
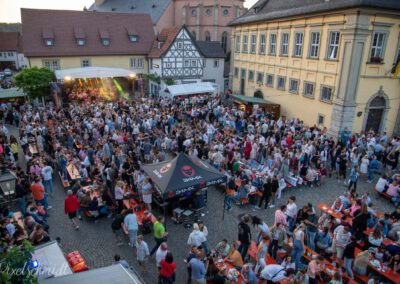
x=161 y=253
x=196 y=237
x=291 y=212
x=47 y=174
x=276 y=273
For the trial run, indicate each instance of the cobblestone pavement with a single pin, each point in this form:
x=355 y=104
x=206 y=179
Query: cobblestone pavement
x=97 y=245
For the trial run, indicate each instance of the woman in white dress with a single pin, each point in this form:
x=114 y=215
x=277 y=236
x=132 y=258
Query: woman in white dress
x=364 y=165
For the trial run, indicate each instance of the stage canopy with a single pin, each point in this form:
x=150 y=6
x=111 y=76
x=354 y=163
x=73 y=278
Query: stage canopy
x=182 y=174
x=92 y=72
x=190 y=89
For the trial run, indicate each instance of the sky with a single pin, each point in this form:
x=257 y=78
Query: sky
x=10 y=9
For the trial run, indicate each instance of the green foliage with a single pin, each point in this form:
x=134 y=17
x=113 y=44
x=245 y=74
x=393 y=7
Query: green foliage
x=169 y=81
x=35 y=81
x=155 y=78
x=14 y=267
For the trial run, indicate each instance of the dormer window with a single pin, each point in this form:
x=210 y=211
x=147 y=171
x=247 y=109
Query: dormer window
x=80 y=41
x=48 y=36
x=133 y=38
x=133 y=35
x=79 y=36
x=49 y=42
x=104 y=37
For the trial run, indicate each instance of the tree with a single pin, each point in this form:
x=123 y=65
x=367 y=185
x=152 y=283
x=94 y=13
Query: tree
x=155 y=78
x=16 y=265
x=35 y=81
x=169 y=81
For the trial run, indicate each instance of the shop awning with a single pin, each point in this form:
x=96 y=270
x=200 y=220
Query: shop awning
x=11 y=93
x=190 y=89
x=92 y=72
x=250 y=100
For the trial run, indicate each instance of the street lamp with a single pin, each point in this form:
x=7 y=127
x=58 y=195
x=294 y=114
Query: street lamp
x=7 y=184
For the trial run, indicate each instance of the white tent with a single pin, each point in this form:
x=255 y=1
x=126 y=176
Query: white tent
x=92 y=72
x=113 y=274
x=190 y=89
x=52 y=262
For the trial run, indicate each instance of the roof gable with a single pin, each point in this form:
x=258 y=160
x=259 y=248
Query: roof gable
x=66 y=26
x=163 y=41
x=183 y=34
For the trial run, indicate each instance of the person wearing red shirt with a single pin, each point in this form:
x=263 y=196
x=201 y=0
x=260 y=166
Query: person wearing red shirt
x=71 y=207
x=167 y=270
x=289 y=140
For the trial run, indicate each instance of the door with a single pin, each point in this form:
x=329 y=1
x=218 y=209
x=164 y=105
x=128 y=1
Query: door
x=374 y=119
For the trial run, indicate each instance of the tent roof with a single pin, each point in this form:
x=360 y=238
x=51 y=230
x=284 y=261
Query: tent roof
x=93 y=72
x=251 y=100
x=182 y=174
x=11 y=93
x=50 y=256
x=190 y=89
x=115 y=274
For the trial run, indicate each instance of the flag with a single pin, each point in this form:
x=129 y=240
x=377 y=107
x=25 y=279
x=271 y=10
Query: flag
x=396 y=69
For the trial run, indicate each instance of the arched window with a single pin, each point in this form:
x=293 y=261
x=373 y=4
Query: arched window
x=194 y=35
x=207 y=36
x=258 y=94
x=378 y=102
x=224 y=40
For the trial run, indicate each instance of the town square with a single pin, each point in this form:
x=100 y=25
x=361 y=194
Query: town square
x=187 y=141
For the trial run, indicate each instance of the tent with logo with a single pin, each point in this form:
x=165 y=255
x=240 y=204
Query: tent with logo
x=181 y=175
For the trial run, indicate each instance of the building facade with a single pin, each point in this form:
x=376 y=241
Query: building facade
x=175 y=55
x=11 y=55
x=328 y=63
x=207 y=20
x=73 y=39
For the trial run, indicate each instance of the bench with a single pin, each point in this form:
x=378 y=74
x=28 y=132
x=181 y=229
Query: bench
x=64 y=182
x=384 y=195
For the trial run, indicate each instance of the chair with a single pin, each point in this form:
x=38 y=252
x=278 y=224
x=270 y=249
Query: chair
x=178 y=212
x=186 y=218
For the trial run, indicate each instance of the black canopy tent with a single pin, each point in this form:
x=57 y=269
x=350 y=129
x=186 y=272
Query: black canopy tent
x=181 y=175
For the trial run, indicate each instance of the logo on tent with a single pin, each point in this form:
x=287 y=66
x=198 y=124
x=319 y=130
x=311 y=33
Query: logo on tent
x=188 y=171
x=165 y=168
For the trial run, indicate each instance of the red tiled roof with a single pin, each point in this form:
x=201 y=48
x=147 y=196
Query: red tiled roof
x=166 y=37
x=9 y=41
x=64 y=26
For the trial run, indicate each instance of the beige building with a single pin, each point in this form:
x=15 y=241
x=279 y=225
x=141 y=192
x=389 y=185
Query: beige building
x=326 y=62
x=62 y=40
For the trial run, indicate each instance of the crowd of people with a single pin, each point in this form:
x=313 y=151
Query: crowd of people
x=97 y=149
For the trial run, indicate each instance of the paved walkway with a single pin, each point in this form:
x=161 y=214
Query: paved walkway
x=97 y=244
